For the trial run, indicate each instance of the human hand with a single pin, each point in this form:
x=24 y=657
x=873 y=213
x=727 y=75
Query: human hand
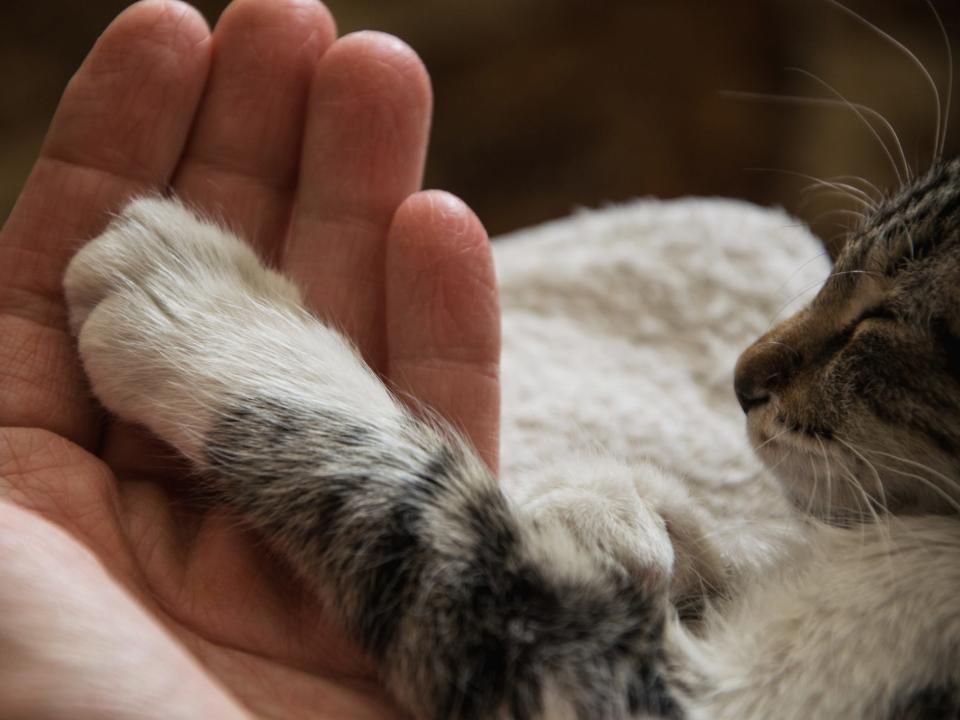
x=117 y=597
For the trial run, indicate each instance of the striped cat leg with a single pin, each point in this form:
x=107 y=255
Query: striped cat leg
x=473 y=608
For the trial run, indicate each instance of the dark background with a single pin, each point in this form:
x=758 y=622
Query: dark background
x=543 y=106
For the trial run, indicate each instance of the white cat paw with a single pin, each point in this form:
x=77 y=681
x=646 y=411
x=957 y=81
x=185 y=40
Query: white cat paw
x=634 y=515
x=159 y=247
x=597 y=503
x=171 y=313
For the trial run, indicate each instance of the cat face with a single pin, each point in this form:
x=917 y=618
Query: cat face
x=855 y=400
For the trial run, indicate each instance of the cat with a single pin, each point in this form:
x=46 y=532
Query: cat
x=598 y=591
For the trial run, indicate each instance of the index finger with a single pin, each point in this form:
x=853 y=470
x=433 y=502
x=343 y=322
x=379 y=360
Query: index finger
x=119 y=130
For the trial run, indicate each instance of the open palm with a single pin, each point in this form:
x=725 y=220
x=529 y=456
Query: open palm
x=120 y=596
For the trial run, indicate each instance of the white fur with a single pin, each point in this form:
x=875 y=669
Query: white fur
x=622 y=328
x=167 y=309
x=849 y=619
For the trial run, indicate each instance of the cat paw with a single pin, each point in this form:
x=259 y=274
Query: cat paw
x=634 y=516
x=172 y=315
x=158 y=249
x=699 y=570
x=597 y=503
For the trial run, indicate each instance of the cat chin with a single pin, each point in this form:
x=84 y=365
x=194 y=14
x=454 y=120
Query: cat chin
x=814 y=474
x=833 y=483
x=852 y=475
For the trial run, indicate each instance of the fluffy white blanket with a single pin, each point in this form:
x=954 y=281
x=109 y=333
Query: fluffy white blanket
x=621 y=330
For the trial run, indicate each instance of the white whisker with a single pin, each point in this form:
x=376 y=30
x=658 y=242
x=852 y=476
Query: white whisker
x=816 y=481
x=844 y=189
x=804 y=290
x=800 y=269
x=771 y=439
x=841 y=212
x=942 y=140
x=913 y=58
x=815 y=192
x=948 y=482
x=860 y=110
x=866 y=183
x=876 y=475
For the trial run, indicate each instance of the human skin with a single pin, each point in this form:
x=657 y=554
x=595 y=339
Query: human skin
x=121 y=596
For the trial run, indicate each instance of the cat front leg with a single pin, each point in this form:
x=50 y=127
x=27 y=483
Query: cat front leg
x=472 y=608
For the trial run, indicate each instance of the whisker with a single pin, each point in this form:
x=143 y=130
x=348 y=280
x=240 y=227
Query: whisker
x=882 y=528
x=891 y=518
x=867 y=183
x=787 y=452
x=809 y=287
x=811 y=196
x=844 y=193
x=838 y=186
x=829 y=490
x=926 y=483
x=844 y=189
x=848 y=475
x=816 y=481
x=859 y=109
x=876 y=475
x=942 y=140
x=906 y=51
x=914 y=463
x=868 y=200
x=842 y=212
x=771 y=439
x=948 y=482
x=843 y=230
x=796 y=272
x=792 y=300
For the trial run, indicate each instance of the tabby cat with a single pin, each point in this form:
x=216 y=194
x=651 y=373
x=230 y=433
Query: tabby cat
x=561 y=605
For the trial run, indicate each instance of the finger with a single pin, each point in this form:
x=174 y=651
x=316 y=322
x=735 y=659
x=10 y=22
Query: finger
x=243 y=155
x=363 y=153
x=443 y=320
x=120 y=127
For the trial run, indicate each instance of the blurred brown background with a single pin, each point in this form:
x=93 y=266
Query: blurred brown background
x=547 y=105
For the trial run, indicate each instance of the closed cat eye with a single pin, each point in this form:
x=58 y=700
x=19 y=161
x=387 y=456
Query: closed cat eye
x=878 y=312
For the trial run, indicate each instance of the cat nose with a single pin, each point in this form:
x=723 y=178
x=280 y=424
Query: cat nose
x=762 y=368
